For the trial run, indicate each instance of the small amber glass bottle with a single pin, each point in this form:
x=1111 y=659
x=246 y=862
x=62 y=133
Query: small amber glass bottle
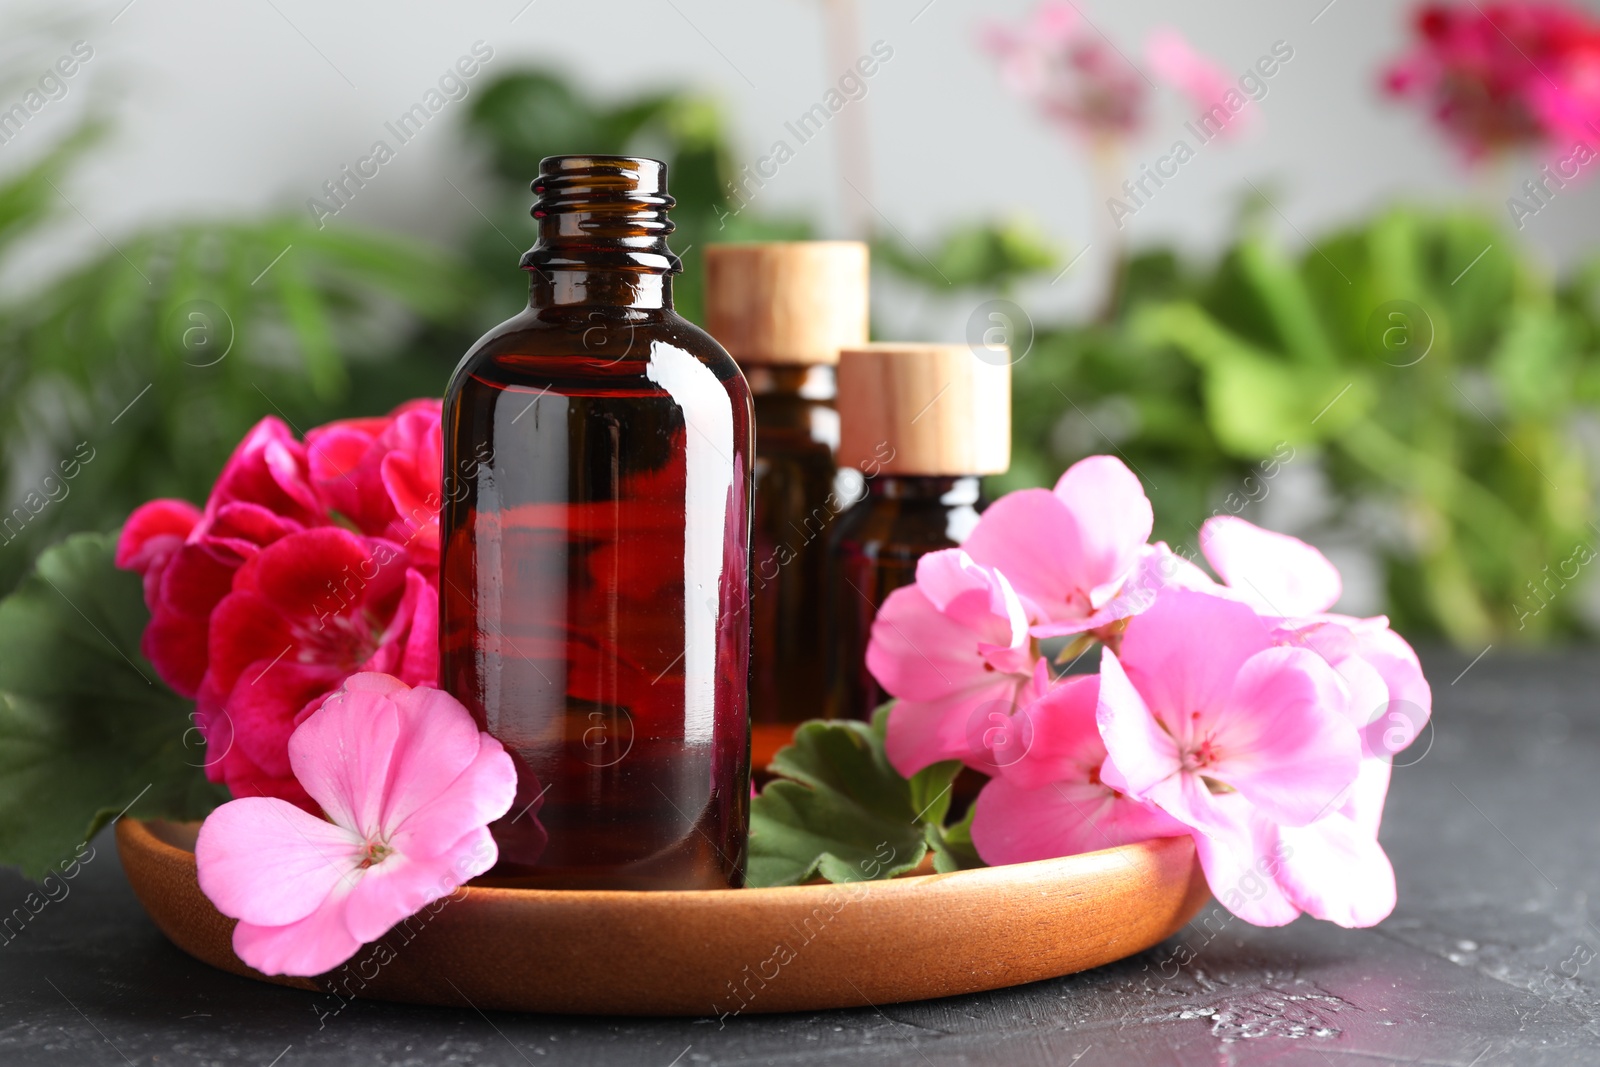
x=595 y=570
x=923 y=423
x=783 y=310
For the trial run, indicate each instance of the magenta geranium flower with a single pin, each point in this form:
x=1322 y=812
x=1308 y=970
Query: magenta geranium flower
x=1502 y=76
x=1050 y=800
x=409 y=786
x=384 y=476
x=379 y=477
x=953 y=645
x=188 y=557
x=303 y=615
x=1231 y=734
x=1069 y=551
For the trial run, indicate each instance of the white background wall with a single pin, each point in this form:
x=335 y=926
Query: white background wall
x=249 y=106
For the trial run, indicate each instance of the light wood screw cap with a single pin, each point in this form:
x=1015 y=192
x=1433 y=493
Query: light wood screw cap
x=787 y=302
x=929 y=409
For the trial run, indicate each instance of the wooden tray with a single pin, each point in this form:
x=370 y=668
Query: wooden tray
x=721 y=953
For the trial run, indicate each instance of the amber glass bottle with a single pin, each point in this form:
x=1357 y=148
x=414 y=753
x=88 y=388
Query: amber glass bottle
x=595 y=570
x=922 y=423
x=783 y=310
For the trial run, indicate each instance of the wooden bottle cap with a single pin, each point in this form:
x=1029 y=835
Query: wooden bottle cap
x=926 y=409
x=787 y=302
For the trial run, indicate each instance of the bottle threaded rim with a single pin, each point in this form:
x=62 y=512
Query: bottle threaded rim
x=602 y=212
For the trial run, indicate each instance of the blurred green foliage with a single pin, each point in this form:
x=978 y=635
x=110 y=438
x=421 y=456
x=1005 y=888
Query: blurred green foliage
x=149 y=361
x=524 y=117
x=987 y=255
x=1463 y=469
x=1440 y=382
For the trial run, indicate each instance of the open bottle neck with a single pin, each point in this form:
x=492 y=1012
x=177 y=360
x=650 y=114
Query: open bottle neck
x=579 y=287
x=603 y=231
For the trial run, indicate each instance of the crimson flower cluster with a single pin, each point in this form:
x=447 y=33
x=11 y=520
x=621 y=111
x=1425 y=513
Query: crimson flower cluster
x=1504 y=76
x=310 y=561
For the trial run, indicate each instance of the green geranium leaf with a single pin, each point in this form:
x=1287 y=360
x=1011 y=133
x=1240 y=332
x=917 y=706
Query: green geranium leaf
x=87 y=730
x=837 y=808
x=952 y=846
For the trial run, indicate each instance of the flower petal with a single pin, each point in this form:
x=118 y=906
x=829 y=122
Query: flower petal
x=445 y=777
x=481 y=794
x=1243 y=865
x=920 y=653
x=263 y=704
x=1015 y=825
x=343 y=752
x=1067 y=551
x=267 y=862
x=1176 y=669
x=1205 y=84
x=1027 y=533
x=1157 y=568
x=154 y=530
x=1276 y=573
x=1143 y=754
x=402 y=885
x=1284 y=740
x=1335 y=871
x=1061 y=735
x=924 y=732
x=1112 y=519
x=314 y=945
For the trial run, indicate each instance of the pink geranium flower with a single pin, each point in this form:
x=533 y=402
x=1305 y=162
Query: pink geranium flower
x=1211 y=92
x=1069 y=551
x=1049 y=799
x=409 y=786
x=303 y=615
x=1333 y=869
x=1083 y=84
x=1230 y=734
x=1069 y=71
x=953 y=646
x=1293 y=586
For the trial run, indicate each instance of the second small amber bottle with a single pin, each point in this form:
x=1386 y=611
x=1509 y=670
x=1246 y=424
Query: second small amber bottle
x=784 y=310
x=923 y=423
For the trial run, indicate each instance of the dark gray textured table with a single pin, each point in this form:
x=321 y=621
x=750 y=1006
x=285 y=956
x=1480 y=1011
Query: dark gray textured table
x=1492 y=957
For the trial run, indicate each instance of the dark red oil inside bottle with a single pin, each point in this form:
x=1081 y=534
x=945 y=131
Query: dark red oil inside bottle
x=796 y=504
x=596 y=556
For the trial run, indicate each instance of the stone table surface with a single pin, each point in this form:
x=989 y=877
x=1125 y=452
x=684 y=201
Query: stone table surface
x=1492 y=957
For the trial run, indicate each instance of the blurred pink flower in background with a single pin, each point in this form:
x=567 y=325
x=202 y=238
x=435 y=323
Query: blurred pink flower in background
x=1205 y=84
x=1505 y=76
x=1080 y=81
x=1069 y=72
